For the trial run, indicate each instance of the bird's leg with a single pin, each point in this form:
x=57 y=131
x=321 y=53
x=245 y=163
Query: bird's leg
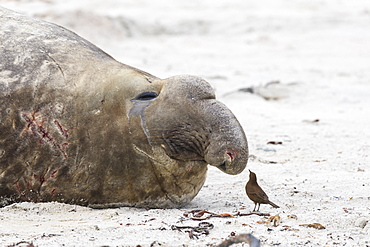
x=255 y=205
x=259 y=204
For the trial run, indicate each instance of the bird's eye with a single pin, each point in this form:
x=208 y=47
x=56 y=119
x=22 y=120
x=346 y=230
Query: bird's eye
x=146 y=96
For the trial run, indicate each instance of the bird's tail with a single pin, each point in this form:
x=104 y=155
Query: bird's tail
x=274 y=205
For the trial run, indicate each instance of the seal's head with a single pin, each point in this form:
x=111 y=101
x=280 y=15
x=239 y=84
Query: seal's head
x=196 y=126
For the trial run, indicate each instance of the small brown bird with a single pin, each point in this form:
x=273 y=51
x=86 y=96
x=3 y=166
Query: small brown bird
x=256 y=194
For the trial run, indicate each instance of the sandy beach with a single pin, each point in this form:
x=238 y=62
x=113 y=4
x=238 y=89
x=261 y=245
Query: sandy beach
x=297 y=76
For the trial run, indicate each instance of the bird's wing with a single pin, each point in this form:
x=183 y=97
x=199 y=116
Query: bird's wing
x=261 y=194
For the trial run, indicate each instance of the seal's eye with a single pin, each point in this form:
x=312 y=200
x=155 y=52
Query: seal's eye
x=146 y=96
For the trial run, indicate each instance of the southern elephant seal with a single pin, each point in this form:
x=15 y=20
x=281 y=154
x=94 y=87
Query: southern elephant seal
x=76 y=126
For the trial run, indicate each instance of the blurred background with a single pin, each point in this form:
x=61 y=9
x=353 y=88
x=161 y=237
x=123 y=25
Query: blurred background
x=235 y=41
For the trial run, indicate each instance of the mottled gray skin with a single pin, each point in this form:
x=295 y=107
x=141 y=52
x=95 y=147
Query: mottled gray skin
x=76 y=126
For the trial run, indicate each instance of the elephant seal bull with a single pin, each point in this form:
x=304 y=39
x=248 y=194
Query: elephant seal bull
x=78 y=127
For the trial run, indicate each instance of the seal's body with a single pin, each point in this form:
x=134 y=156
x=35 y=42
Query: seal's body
x=76 y=126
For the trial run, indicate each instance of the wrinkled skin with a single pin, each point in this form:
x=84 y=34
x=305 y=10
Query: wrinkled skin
x=76 y=126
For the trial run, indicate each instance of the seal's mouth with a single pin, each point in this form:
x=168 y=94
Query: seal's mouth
x=231 y=163
x=222 y=167
x=229 y=157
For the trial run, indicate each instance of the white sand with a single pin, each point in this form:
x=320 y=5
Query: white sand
x=320 y=53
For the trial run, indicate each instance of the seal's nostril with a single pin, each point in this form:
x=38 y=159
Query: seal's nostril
x=230 y=154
